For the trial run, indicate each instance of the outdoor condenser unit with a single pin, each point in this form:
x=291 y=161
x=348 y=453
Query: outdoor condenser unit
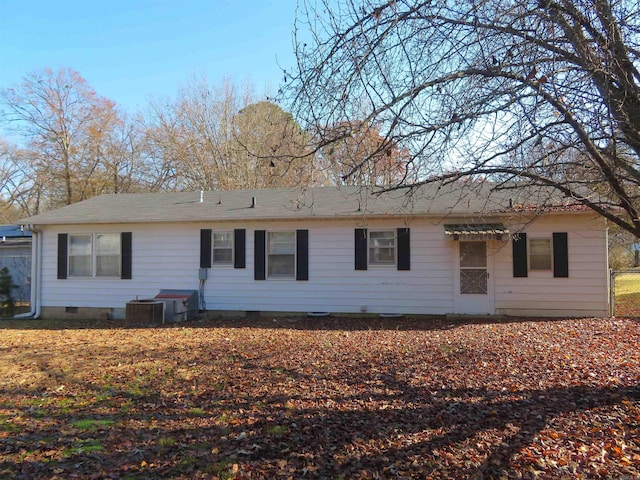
x=144 y=312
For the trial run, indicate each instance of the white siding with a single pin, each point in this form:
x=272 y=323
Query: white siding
x=166 y=256
x=583 y=293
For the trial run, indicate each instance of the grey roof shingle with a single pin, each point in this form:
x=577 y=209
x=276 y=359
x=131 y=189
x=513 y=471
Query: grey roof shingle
x=454 y=199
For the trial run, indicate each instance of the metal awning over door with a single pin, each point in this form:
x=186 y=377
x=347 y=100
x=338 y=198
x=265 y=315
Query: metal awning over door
x=476 y=231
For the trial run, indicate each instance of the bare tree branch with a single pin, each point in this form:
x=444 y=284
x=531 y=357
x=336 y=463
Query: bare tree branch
x=541 y=92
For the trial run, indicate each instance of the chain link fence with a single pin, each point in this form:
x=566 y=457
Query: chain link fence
x=625 y=293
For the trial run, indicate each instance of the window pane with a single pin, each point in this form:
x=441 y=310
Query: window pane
x=107 y=244
x=282 y=243
x=222 y=247
x=80 y=256
x=282 y=265
x=382 y=239
x=107 y=255
x=382 y=255
x=222 y=239
x=222 y=255
x=108 y=266
x=281 y=250
x=473 y=254
x=80 y=265
x=382 y=247
x=79 y=244
x=540 y=254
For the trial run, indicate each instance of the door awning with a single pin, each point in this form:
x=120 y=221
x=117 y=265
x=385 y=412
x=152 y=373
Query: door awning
x=476 y=231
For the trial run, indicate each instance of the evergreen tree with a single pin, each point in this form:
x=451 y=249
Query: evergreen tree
x=7 y=303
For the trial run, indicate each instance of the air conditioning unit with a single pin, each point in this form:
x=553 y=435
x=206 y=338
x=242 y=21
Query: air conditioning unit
x=144 y=312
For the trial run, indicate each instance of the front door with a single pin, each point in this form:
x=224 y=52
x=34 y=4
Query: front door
x=473 y=286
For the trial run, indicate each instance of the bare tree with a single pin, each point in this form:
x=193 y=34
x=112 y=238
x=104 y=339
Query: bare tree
x=76 y=142
x=218 y=137
x=122 y=153
x=12 y=180
x=270 y=148
x=189 y=137
x=361 y=156
x=536 y=92
x=22 y=185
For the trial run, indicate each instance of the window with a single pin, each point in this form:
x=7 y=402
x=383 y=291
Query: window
x=107 y=255
x=223 y=247
x=536 y=254
x=281 y=254
x=80 y=256
x=382 y=247
x=94 y=255
x=540 y=254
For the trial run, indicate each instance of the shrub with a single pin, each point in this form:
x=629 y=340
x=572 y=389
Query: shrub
x=7 y=302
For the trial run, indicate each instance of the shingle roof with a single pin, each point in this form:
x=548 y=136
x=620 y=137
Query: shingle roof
x=14 y=231
x=454 y=199
x=14 y=236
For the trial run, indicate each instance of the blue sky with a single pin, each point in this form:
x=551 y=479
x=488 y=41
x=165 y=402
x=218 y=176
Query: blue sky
x=130 y=51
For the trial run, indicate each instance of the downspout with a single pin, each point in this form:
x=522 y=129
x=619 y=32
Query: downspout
x=36 y=253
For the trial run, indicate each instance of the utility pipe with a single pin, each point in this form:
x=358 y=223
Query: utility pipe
x=36 y=263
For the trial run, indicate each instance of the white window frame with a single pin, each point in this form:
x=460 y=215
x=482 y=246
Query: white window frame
x=268 y=255
x=229 y=247
x=376 y=262
x=530 y=249
x=93 y=264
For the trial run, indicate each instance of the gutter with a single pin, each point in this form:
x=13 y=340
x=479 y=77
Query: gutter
x=36 y=254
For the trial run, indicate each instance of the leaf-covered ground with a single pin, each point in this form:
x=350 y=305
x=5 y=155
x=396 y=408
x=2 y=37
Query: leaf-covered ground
x=321 y=398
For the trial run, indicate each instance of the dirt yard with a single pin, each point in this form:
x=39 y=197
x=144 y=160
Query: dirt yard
x=321 y=398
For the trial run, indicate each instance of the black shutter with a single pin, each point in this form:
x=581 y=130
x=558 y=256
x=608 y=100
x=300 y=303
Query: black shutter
x=361 y=248
x=239 y=248
x=125 y=255
x=63 y=238
x=205 y=248
x=302 y=254
x=404 y=249
x=259 y=250
x=560 y=255
x=520 y=256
